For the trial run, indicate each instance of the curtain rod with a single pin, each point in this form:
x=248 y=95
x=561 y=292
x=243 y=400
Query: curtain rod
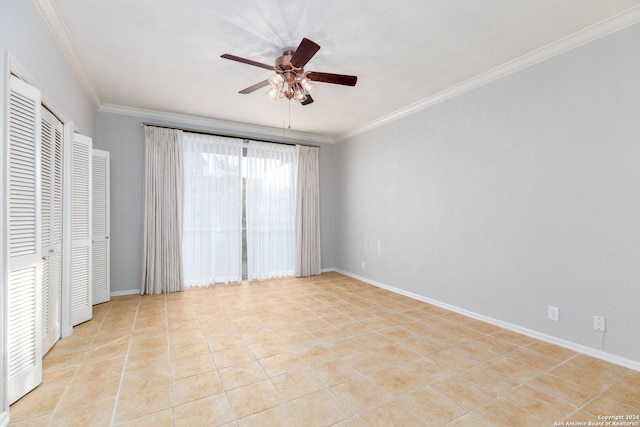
x=230 y=135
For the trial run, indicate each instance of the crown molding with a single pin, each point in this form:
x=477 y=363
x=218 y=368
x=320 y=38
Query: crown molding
x=60 y=32
x=244 y=129
x=591 y=33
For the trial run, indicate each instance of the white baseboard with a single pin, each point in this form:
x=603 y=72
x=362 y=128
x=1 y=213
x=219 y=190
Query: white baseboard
x=608 y=357
x=137 y=291
x=127 y=292
x=4 y=419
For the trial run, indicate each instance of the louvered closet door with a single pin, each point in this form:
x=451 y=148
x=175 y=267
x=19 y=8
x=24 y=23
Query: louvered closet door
x=51 y=185
x=24 y=287
x=100 y=224
x=81 y=294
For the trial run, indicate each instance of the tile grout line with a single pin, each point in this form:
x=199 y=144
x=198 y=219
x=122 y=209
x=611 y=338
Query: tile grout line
x=124 y=366
x=301 y=301
x=270 y=378
x=168 y=334
x=66 y=388
x=215 y=362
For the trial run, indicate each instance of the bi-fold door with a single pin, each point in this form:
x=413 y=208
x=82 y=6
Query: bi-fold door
x=80 y=219
x=51 y=204
x=100 y=226
x=48 y=223
x=24 y=323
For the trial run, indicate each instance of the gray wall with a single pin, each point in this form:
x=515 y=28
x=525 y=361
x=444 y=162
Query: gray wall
x=26 y=37
x=123 y=137
x=515 y=196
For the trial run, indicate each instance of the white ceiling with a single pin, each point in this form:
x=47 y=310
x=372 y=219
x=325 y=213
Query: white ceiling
x=165 y=55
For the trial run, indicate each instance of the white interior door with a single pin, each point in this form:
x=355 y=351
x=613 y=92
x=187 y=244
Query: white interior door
x=81 y=294
x=51 y=201
x=24 y=294
x=100 y=238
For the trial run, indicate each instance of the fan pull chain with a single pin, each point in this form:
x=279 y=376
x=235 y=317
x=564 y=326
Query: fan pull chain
x=289 y=114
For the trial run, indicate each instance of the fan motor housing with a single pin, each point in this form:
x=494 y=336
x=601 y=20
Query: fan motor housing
x=284 y=62
x=288 y=71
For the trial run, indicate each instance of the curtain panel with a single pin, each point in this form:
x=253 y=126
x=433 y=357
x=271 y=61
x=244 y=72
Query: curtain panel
x=212 y=249
x=162 y=227
x=270 y=210
x=307 y=212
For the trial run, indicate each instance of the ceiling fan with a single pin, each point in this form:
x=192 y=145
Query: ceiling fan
x=290 y=80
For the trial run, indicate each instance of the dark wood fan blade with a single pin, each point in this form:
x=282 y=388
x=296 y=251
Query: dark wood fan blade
x=255 y=87
x=246 y=61
x=307 y=101
x=305 y=51
x=339 y=79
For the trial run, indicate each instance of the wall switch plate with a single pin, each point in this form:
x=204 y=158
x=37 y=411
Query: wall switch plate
x=599 y=323
x=554 y=313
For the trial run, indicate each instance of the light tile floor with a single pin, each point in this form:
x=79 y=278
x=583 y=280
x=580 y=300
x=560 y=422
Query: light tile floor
x=327 y=350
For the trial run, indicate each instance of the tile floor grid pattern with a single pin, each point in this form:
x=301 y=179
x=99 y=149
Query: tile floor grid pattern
x=320 y=351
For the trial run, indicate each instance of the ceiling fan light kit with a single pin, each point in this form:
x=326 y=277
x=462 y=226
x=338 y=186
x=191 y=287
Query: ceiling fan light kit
x=290 y=81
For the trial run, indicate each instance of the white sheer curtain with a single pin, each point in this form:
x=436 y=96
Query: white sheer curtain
x=212 y=249
x=270 y=210
x=307 y=262
x=162 y=228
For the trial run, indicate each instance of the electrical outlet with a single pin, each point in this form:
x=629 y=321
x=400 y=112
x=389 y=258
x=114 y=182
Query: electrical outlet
x=599 y=323
x=554 y=313
x=363 y=265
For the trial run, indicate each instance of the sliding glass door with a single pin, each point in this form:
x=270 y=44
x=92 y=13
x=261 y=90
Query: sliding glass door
x=270 y=203
x=239 y=210
x=212 y=237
